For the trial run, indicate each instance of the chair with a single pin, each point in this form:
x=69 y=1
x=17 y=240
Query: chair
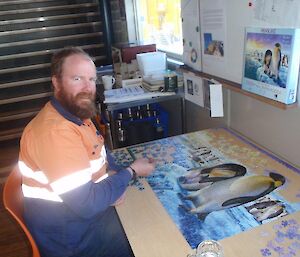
x=13 y=202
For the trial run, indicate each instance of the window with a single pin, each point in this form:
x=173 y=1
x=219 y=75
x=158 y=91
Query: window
x=159 y=22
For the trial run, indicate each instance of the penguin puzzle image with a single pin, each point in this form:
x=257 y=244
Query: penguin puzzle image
x=271 y=63
x=196 y=179
x=266 y=208
x=276 y=61
x=214 y=185
x=225 y=186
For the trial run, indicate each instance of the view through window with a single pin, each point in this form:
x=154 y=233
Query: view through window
x=159 y=22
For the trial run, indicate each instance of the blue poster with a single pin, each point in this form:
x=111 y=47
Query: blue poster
x=271 y=63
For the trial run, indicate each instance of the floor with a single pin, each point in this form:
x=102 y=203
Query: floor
x=13 y=242
x=9 y=152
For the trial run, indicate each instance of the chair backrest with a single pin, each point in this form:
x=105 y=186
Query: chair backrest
x=13 y=202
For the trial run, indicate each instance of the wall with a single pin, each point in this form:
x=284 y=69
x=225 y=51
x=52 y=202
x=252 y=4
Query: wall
x=275 y=129
x=198 y=118
x=118 y=16
x=173 y=107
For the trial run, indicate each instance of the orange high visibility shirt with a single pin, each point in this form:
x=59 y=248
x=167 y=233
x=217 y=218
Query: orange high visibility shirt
x=59 y=152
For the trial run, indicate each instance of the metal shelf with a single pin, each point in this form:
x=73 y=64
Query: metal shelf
x=117 y=106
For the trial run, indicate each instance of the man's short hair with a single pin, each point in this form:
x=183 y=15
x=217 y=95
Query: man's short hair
x=59 y=57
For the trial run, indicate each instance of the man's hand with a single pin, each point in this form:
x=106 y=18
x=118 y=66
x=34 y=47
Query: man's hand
x=143 y=167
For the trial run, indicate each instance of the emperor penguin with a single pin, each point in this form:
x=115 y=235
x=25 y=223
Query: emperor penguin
x=276 y=60
x=266 y=209
x=232 y=192
x=197 y=178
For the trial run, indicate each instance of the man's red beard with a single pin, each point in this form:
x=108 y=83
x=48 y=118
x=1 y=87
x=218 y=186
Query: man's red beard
x=82 y=105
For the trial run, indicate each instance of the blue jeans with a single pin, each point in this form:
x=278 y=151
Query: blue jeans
x=59 y=232
x=111 y=236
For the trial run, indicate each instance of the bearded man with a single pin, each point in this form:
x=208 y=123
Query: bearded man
x=68 y=194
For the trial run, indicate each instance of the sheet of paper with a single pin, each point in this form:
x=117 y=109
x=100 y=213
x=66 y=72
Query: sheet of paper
x=190 y=12
x=193 y=89
x=277 y=12
x=131 y=93
x=205 y=93
x=216 y=100
x=213 y=35
x=122 y=92
x=213 y=29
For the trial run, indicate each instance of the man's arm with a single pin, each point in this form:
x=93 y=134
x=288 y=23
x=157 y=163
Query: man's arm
x=92 y=198
x=69 y=171
x=63 y=158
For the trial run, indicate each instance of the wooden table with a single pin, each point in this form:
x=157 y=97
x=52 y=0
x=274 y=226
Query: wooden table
x=152 y=232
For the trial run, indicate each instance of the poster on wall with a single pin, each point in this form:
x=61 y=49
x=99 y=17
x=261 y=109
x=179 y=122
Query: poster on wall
x=191 y=34
x=277 y=11
x=271 y=63
x=213 y=31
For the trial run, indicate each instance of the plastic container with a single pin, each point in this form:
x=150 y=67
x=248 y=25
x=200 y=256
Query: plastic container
x=146 y=123
x=170 y=81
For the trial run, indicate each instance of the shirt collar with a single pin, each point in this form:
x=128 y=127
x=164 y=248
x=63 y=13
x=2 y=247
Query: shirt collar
x=62 y=111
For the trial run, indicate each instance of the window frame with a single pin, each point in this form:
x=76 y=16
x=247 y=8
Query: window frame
x=133 y=27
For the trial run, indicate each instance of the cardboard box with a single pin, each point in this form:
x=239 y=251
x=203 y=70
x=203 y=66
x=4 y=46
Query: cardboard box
x=271 y=63
x=124 y=60
x=125 y=53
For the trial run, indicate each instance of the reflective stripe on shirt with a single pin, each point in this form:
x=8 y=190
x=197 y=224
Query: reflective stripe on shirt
x=27 y=172
x=97 y=164
x=40 y=193
x=72 y=181
x=62 y=185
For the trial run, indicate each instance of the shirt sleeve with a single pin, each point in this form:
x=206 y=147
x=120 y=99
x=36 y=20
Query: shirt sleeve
x=90 y=199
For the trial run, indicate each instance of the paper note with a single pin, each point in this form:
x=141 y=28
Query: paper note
x=216 y=100
x=205 y=93
x=277 y=12
x=194 y=89
x=131 y=93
